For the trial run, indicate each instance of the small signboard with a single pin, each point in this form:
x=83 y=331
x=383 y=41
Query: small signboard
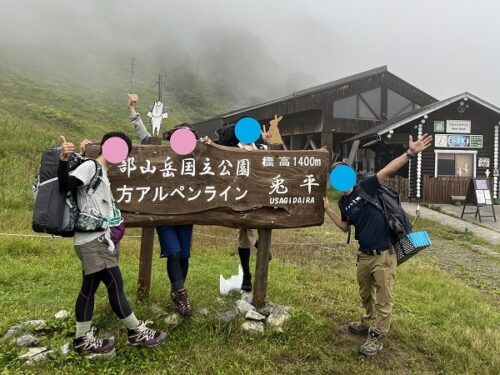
x=476 y=141
x=483 y=162
x=458 y=126
x=439 y=126
x=458 y=141
x=479 y=195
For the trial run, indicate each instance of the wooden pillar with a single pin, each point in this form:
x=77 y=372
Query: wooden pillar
x=261 y=268
x=327 y=141
x=353 y=152
x=145 y=263
x=383 y=100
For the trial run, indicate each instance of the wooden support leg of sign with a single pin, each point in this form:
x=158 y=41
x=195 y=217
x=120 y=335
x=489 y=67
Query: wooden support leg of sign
x=261 y=268
x=145 y=262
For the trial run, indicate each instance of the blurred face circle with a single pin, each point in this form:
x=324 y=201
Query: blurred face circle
x=247 y=130
x=115 y=150
x=343 y=178
x=183 y=141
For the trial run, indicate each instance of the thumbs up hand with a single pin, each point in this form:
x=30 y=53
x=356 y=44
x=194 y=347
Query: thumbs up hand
x=67 y=148
x=132 y=100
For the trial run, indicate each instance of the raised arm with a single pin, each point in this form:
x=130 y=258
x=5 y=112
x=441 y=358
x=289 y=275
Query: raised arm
x=414 y=148
x=66 y=182
x=135 y=117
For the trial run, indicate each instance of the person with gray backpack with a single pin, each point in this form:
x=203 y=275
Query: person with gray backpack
x=364 y=207
x=97 y=246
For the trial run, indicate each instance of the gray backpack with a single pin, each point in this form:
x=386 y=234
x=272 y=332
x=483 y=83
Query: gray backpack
x=56 y=212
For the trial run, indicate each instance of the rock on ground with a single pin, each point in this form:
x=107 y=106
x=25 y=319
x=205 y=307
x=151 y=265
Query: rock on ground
x=12 y=331
x=65 y=348
x=26 y=340
x=244 y=307
x=227 y=316
x=246 y=296
x=172 y=319
x=277 y=319
x=204 y=311
x=254 y=315
x=62 y=314
x=35 y=324
x=35 y=355
x=252 y=327
x=266 y=310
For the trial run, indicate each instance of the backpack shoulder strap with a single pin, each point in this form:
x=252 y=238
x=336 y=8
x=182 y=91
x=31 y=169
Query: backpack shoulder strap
x=96 y=179
x=367 y=197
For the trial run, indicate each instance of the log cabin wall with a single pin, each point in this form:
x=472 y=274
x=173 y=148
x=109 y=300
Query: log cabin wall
x=311 y=112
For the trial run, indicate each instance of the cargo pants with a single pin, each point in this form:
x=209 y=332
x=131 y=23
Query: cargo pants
x=376 y=277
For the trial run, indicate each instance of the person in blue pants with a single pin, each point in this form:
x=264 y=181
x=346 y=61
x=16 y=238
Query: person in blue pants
x=175 y=240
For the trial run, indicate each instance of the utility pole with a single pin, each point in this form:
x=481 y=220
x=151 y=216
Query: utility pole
x=133 y=63
x=160 y=86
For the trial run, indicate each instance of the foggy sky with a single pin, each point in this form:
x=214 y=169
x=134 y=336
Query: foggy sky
x=443 y=47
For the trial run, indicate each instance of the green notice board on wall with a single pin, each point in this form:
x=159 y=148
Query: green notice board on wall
x=476 y=141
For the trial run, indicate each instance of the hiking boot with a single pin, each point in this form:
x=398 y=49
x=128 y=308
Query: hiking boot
x=373 y=343
x=246 y=285
x=145 y=336
x=91 y=347
x=181 y=301
x=358 y=328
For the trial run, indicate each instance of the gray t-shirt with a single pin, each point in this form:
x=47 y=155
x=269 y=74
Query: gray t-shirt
x=101 y=200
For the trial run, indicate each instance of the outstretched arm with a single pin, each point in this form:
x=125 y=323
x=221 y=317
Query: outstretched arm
x=140 y=129
x=66 y=182
x=342 y=225
x=414 y=148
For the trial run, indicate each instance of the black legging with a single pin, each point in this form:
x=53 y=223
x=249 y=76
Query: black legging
x=112 y=278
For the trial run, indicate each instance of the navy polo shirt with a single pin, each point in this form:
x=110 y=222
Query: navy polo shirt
x=371 y=228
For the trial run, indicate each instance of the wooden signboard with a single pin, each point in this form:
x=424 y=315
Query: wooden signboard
x=479 y=195
x=217 y=185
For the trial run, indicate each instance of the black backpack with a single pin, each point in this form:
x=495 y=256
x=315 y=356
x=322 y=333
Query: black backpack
x=56 y=211
x=389 y=202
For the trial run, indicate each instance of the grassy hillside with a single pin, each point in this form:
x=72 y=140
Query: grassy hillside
x=34 y=113
x=445 y=322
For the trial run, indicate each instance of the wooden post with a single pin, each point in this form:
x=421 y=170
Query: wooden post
x=145 y=263
x=154 y=141
x=261 y=268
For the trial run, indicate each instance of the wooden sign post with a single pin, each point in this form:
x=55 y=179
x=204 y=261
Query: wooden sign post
x=479 y=195
x=217 y=185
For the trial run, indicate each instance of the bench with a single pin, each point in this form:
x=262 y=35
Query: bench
x=458 y=200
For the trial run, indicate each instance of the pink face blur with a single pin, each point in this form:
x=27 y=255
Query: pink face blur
x=115 y=150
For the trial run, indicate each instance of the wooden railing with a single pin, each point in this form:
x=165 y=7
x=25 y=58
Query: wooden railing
x=400 y=184
x=440 y=189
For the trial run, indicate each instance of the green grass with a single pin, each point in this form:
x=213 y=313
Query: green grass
x=440 y=324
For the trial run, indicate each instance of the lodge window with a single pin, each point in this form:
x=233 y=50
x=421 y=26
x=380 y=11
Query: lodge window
x=398 y=104
x=365 y=106
x=452 y=163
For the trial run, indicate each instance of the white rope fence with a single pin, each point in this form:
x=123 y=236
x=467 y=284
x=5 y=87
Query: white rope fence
x=197 y=234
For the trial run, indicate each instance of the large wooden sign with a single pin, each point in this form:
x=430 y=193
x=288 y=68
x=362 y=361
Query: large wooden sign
x=479 y=195
x=217 y=185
